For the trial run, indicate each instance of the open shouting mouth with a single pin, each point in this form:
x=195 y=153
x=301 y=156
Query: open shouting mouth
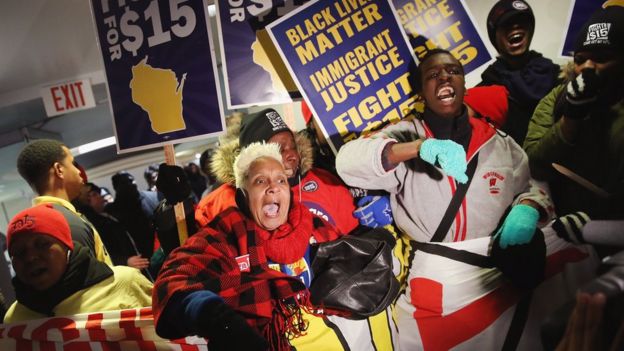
x=271 y=208
x=446 y=94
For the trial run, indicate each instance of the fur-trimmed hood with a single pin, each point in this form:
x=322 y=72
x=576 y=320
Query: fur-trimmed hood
x=222 y=164
x=567 y=72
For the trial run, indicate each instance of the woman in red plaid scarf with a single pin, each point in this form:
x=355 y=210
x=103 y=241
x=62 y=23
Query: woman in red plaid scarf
x=242 y=281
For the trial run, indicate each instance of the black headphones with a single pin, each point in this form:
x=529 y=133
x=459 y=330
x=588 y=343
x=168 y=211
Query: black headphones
x=241 y=201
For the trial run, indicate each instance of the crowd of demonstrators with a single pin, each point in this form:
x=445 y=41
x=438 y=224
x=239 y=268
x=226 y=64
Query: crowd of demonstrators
x=119 y=243
x=58 y=276
x=453 y=174
x=527 y=75
x=48 y=167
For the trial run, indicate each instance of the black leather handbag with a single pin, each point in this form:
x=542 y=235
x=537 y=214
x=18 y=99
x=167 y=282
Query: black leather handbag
x=353 y=275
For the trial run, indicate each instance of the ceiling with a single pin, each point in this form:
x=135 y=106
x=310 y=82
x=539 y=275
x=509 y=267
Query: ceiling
x=45 y=42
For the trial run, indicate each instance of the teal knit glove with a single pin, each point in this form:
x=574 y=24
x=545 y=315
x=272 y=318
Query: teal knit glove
x=450 y=156
x=519 y=226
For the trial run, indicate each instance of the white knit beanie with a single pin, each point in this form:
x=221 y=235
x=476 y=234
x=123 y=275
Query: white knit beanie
x=251 y=153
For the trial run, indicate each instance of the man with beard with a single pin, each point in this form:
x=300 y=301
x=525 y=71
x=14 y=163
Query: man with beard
x=527 y=75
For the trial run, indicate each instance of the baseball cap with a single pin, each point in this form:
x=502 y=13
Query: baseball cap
x=41 y=219
x=504 y=10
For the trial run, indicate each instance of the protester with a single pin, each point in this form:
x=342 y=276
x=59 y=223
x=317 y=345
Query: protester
x=106 y=195
x=488 y=102
x=527 y=75
x=196 y=179
x=422 y=163
x=320 y=191
x=56 y=276
x=580 y=124
x=48 y=167
x=176 y=189
x=120 y=245
x=444 y=136
x=150 y=174
x=135 y=210
x=234 y=282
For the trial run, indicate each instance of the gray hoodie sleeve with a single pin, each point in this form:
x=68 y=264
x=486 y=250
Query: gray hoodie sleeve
x=359 y=162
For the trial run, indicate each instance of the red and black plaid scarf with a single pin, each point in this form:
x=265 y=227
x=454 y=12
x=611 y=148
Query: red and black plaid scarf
x=268 y=299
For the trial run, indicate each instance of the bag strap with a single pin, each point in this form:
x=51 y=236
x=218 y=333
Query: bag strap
x=518 y=321
x=456 y=201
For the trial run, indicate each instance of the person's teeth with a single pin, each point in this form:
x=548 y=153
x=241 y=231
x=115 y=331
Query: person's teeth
x=447 y=98
x=516 y=38
x=445 y=91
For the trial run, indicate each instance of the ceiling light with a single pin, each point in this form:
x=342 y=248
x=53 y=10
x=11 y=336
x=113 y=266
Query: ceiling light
x=92 y=146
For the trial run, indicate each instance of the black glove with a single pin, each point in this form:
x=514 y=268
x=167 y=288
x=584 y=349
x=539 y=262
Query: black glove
x=522 y=264
x=228 y=330
x=570 y=227
x=172 y=182
x=581 y=93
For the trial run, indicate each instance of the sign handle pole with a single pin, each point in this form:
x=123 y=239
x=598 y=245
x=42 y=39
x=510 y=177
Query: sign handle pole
x=179 y=207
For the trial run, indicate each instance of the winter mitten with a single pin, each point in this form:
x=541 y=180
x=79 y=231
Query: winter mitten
x=374 y=211
x=519 y=226
x=449 y=155
x=581 y=93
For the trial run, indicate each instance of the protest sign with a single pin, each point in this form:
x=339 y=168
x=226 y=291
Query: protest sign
x=131 y=329
x=254 y=72
x=352 y=63
x=162 y=80
x=444 y=24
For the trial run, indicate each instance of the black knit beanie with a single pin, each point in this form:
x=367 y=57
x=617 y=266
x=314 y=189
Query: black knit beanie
x=603 y=31
x=261 y=126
